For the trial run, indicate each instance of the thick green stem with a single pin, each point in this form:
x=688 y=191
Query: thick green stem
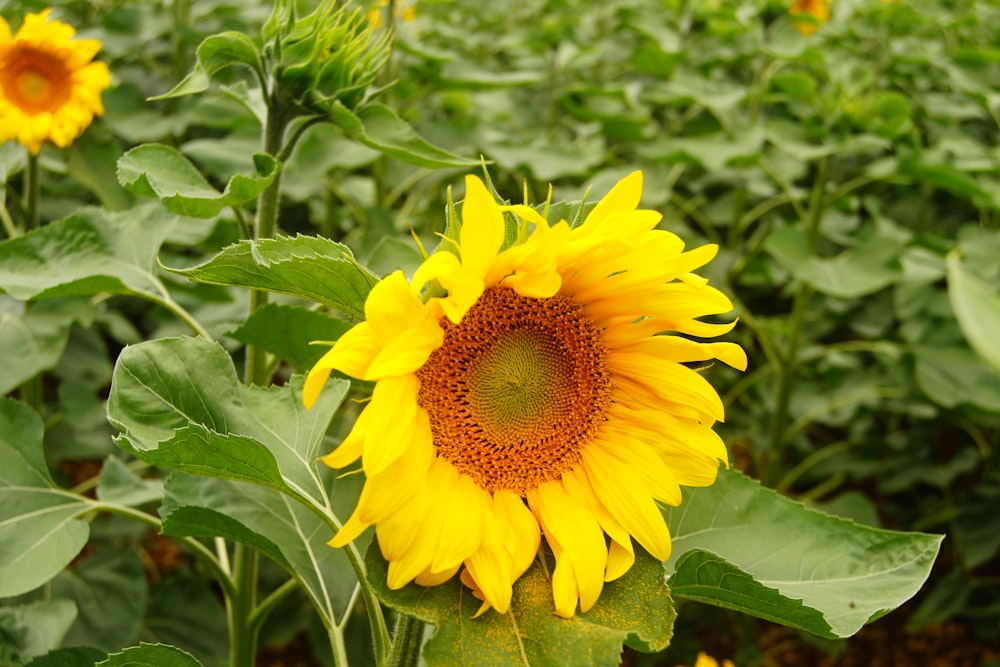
x=32 y=216
x=406 y=642
x=31 y=392
x=265 y=224
x=243 y=626
x=240 y=608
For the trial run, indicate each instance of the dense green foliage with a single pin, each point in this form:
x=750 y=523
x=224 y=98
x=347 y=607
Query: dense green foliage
x=851 y=179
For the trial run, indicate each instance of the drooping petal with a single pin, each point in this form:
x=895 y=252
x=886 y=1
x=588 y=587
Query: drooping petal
x=622 y=491
x=569 y=521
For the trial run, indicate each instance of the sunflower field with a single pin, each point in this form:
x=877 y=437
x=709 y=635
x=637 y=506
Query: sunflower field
x=520 y=332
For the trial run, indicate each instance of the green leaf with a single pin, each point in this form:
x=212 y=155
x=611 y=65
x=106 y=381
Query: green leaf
x=378 y=127
x=865 y=269
x=214 y=54
x=289 y=533
x=712 y=151
x=831 y=579
x=185 y=611
x=39 y=528
x=945 y=176
x=150 y=655
x=179 y=404
x=466 y=75
x=309 y=267
x=89 y=252
x=160 y=171
x=92 y=162
x=37 y=627
x=33 y=338
x=635 y=610
x=286 y=332
x=121 y=486
x=109 y=589
x=952 y=376
x=977 y=308
x=78 y=656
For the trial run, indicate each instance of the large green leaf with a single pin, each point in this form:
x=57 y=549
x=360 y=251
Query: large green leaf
x=184 y=610
x=287 y=331
x=953 y=375
x=378 y=127
x=309 y=267
x=286 y=531
x=741 y=546
x=636 y=610
x=150 y=655
x=89 y=252
x=35 y=628
x=161 y=171
x=40 y=530
x=872 y=265
x=977 y=308
x=109 y=589
x=179 y=404
x=77 y=656
x=33 y=336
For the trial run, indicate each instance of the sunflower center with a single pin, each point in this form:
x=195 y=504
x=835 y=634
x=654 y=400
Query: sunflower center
x=35 y=81
x=516 y=389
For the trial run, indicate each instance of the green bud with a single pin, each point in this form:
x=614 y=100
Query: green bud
x=333 y=54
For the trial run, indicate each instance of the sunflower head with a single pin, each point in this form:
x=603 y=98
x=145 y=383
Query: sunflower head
x=807 y=15
x=49 y=88
x=542 y=386
x=333 y=54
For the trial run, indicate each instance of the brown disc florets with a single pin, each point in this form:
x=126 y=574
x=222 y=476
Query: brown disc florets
x=516 y=389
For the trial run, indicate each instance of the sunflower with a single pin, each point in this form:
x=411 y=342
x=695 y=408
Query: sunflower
x=818 y=12
x=527 y=392
x=49 y=89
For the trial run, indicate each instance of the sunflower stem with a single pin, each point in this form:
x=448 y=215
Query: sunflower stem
x=31 y=392
x=256 y=370
x=32 y=216
x=240 y=606
x=407 y=639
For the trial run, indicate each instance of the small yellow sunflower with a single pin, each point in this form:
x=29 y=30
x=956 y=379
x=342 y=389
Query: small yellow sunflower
x=818 y=10
x=705 y=660
x=49 y=88
x=535 y=395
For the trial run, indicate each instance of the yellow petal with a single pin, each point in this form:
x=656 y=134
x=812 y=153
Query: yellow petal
x=391 y=422
x=463 y=506
x=352 y=446
x=490 y=564
x=574 y=527
x=624 y=196
x=351 y=354
x=628 y=500
x=669 y=380
x=384 y=494
x=348 y=532
x=523 y=536
x=482 y=231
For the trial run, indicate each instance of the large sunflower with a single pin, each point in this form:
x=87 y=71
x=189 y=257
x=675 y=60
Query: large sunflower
x=531 y=393
x=49 y=89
